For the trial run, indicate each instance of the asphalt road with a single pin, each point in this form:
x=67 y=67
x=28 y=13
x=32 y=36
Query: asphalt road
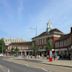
x=13 y=67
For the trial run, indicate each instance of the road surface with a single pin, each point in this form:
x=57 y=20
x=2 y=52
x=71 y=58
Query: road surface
x=13 y=67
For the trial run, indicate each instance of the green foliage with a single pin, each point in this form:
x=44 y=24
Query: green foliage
x=14 y=51
x=49 y=45
x=2 y=46
x=34 y=49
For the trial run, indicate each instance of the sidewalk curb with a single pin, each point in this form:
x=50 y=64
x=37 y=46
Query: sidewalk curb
x=49 y=63
x=41 y=62
x=58 y=65
x=52 y=64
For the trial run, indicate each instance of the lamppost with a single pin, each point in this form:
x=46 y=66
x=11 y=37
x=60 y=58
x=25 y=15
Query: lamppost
x=71 y=46
x=1 y=45
x=2 y=48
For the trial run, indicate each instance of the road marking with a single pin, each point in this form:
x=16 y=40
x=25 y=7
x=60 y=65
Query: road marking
x=44 y=69
x=8 y=70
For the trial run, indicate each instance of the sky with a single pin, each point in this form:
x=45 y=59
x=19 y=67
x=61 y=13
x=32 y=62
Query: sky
x=20 y=18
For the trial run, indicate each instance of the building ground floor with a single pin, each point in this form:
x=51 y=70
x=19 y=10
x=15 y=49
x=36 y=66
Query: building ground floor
x=65 y=54
x=22 y=52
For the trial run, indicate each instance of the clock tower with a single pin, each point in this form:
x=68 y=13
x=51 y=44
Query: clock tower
x=48 y=26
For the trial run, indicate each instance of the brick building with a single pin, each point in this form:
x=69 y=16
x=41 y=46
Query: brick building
x=62 y=43
x=63 y=46
x=40 y=41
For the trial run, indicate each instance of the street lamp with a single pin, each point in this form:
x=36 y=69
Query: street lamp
x=71 y=46
x=2 y=48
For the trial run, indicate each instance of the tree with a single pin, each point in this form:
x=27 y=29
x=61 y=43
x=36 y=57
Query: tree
x=2 y=46
x=49 y=46
x=35 y=50
x=16 y=51
x=12 y=51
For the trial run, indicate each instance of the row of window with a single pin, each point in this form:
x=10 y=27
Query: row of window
x=63 y=43
x=19 y=47
x=12 y=40
x=41 y=41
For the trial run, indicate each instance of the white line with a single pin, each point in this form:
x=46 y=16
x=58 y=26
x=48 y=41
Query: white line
x=8 y=70
x=44 y=69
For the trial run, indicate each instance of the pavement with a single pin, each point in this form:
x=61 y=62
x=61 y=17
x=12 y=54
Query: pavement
x=65 y=63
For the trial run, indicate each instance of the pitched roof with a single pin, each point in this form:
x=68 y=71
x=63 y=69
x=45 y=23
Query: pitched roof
x=53 y=31
x=21 y=43
x=63 y=37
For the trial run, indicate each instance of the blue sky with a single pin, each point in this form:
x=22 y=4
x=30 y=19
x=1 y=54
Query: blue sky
x=18 y=18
